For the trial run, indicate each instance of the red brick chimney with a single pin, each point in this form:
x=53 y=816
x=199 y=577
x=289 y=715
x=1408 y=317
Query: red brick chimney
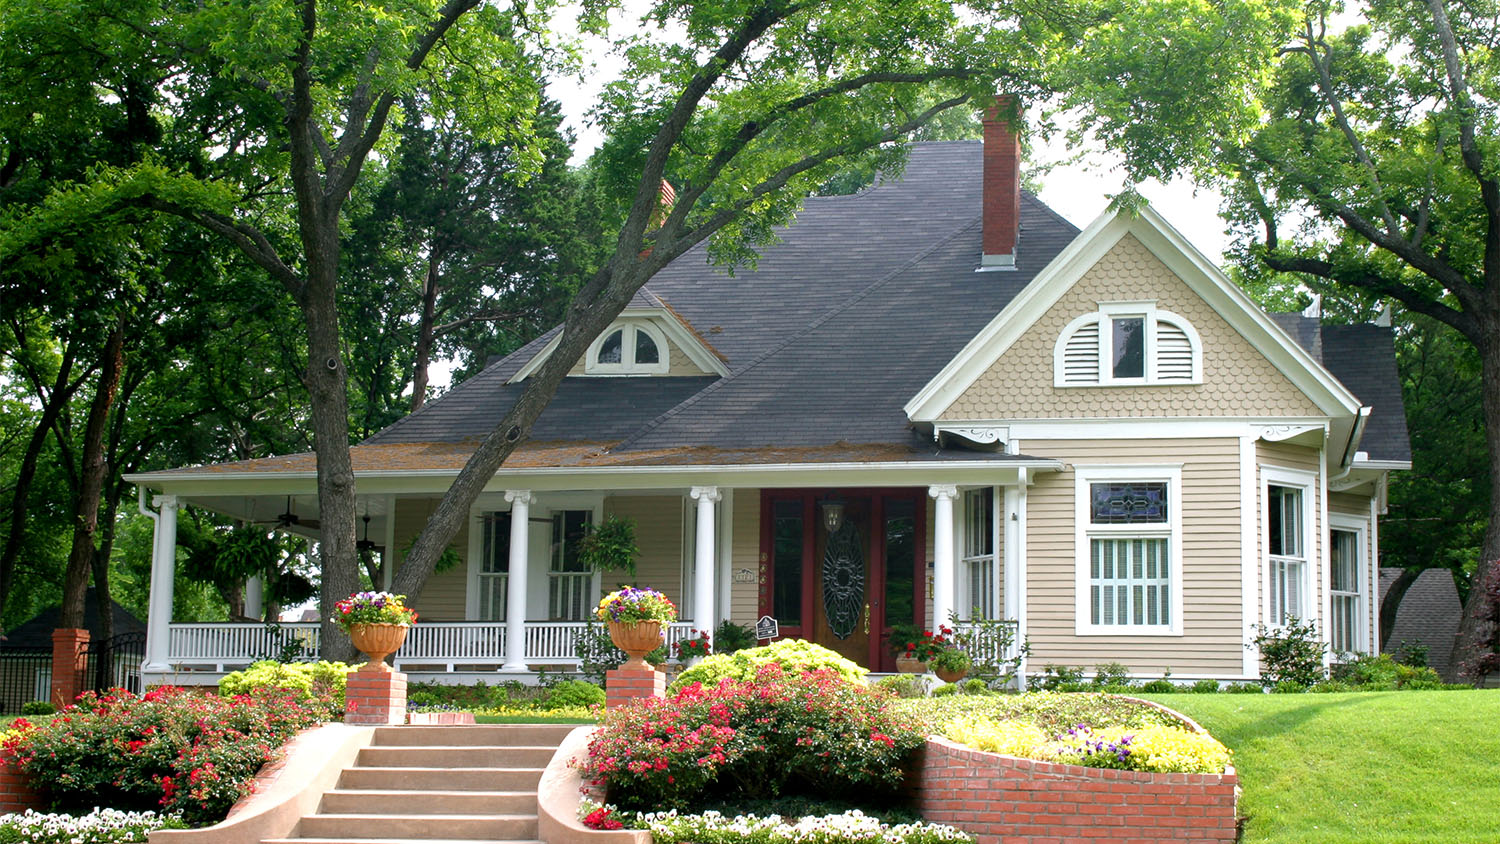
x=1002 y=185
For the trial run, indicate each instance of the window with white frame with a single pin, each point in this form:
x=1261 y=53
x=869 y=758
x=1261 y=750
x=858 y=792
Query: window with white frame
x=1129 y=542
x=1288 y=540
x=494 y=568
x=1345 y=589
x=1127 y=343
x=981 y=565
x=570 y=584
x=630 y=348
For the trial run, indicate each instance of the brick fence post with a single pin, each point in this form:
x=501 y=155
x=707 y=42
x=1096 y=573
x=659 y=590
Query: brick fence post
x=69 y=662
x=622 y=685
x=373 y=696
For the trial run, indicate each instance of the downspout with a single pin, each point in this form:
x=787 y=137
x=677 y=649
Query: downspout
x=140 y=504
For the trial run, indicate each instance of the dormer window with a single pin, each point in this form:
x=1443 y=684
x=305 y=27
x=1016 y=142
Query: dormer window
x=1127 y=343
x=632 y=348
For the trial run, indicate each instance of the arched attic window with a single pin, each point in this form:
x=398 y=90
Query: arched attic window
x=1127 y=343
x=629 y=348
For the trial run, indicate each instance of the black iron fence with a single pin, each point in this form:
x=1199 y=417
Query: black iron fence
x=25 y=675
x=115 y=663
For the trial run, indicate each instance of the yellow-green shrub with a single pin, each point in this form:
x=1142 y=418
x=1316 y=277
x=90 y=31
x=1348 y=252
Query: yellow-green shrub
x=1170 y=750
x=793 y=655
x=1012 y=738
x=309 y=681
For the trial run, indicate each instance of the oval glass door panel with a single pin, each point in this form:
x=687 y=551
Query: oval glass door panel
x=844 y=580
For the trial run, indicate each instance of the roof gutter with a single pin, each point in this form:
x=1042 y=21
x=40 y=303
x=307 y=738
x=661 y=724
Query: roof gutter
x=1357 y=433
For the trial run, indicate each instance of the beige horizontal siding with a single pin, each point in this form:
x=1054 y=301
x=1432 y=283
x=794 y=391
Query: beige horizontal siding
x=444 y=597
x=1211 y=643
x=1237 y=379
x=658 y=533
x=744 y=598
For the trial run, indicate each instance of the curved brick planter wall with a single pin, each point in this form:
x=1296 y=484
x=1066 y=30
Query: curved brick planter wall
x=1005 y=800
x=16 y=794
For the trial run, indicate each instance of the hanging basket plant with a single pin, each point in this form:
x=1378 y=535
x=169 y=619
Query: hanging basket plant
x=610 y=546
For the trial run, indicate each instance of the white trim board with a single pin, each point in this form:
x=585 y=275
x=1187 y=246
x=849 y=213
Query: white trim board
x=662 y=319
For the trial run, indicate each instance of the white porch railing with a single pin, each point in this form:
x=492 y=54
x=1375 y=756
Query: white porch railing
x=437 y=645
x=992 y=647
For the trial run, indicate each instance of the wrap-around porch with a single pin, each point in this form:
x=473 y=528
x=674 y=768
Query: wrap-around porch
x=843 y=566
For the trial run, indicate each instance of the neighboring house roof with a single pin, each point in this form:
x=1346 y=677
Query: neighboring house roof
x=1429 y=614
x=1363 y=358
x=37 y=632
x=1388 y=577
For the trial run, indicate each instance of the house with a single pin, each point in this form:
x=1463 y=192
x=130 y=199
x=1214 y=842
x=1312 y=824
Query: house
x=934 y=397
x=26 y=653
x=1427 y=617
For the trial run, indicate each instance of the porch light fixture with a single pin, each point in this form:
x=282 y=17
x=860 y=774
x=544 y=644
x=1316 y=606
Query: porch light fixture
x=833 y=513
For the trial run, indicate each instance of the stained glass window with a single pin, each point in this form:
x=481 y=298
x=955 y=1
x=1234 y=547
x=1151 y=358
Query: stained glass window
x=1128 y=503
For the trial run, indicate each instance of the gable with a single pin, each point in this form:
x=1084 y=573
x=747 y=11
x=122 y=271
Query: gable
x=1237 y=379
x=679 y=362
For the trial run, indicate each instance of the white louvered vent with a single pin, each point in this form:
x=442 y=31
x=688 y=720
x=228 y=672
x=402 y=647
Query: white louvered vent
x=1080 y=362
x=1174 y=353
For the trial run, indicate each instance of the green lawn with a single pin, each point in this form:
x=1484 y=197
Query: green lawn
x=1362 y=767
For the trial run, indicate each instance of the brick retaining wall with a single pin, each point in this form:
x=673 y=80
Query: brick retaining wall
x=1005 y=800
x=16 y=794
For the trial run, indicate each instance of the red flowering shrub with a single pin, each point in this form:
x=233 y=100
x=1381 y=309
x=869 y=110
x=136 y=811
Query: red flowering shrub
x=170 y=750
x=813 y=734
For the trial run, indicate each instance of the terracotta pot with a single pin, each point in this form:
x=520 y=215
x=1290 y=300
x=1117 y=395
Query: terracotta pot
x=378 y=641
x=950 y=675
x=910 y=665
x=636 y=639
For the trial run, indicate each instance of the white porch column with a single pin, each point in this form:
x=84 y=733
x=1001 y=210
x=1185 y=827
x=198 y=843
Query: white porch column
x=703 y=559
x=942 y=553
x=163 y=573
x=515 y=587
x=254 y=593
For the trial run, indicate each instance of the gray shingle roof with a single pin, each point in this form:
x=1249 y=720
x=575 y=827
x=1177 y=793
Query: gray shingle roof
x=1363 y=357
x=843 y=319
x=1429 y=614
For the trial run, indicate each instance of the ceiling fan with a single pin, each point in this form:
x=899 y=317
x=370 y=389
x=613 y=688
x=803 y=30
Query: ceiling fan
x=368 y=545
x=290 y=519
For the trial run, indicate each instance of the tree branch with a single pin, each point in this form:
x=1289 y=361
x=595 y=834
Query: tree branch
x=249 y=239
x=494 y=316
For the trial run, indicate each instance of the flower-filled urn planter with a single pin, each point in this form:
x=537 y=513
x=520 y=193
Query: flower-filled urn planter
x=910 y=665
x=635 y=617
x=377 y=623
x=950 y=675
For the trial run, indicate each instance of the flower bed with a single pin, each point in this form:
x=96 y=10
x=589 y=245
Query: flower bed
x=173 y=749
x=815 y=734
x=853 y=827
x=101 y=826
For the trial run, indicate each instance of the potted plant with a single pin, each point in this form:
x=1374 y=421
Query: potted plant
x=376 y=623
x=635 y=617
x=950 y=664
x=692 y=650
x=913 y=650
x=610 y=546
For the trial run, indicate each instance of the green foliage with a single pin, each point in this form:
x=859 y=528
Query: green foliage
x=610 y=546
x=1245 y=689
x=1050 y=712
x=794 y=655
x=38 y=707
x=1112 y=674
x=987 y=640
x=950 y=659
x=574 y=693
x=975 y=687
x=731 y=637
x=1291 y=655
x=1055 y=677
x=315 y=684
x=902 y=685
x=812 y=734
x=945 y=690
x=1206 y=686
x=1161 y=686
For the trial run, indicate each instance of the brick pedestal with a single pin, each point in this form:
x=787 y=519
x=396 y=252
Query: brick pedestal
x=622 y=685
x=69 y=662
x=375 y=697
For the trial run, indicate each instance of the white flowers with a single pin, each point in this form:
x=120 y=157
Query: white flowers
x=101 y=826
x=853 y=827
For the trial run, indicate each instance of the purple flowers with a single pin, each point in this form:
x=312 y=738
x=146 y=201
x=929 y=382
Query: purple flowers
x=1080 y=741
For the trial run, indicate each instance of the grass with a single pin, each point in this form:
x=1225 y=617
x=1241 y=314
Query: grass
x=1362 y=767
x=530 y=718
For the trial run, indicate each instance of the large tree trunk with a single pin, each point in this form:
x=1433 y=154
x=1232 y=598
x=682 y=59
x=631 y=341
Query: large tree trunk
x=56 y=400
x=101 y=567
x=94 y=469
x=1472 y=633
x=424 y=332
x=326 y=380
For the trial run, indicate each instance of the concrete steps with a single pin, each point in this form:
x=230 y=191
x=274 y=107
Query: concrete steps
x=437 y=785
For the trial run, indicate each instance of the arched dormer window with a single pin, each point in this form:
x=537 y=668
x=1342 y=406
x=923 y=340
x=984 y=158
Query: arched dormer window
x=1127 y=343
x=630 y=348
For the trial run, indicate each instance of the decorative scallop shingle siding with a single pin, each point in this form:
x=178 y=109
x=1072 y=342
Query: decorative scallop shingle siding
x=1237 y=379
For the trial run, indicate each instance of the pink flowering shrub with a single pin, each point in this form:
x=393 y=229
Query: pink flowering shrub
x=171 y=750
x=813 y=734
